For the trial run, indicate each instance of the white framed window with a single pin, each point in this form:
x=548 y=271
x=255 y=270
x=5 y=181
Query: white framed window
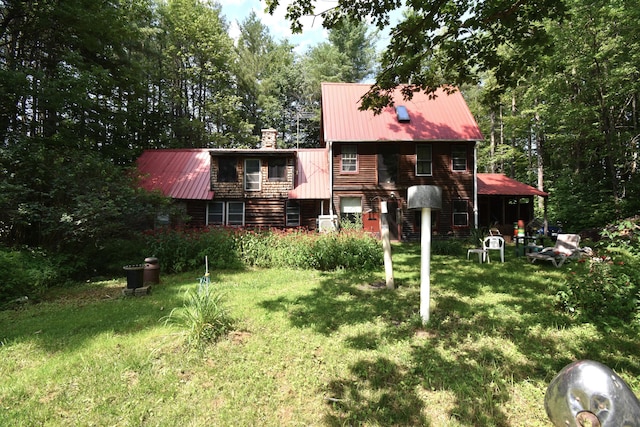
x=349 y=159
x=424 y=160
x=351 y=208
x=293 y=213
x=458 y=159
x=252 y=175
x=225 y=213
x=460 y=213
x=235 y=213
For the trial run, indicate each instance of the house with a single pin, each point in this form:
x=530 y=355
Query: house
x=263 y=187
x=428 y=140
x=364 y=159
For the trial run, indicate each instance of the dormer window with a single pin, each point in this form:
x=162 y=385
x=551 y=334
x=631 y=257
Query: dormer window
x=403 y=114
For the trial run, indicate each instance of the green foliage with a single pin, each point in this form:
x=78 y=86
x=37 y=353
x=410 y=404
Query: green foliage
x=184 y=249
x=351 y=222
x=454 y=247
x=351 y=250
x=477 y=235
x=604 y=291
x=427 y=48
x=204 y=316
x=180 y=250
x=610 y=286
x=319 y=346
x=25 y=273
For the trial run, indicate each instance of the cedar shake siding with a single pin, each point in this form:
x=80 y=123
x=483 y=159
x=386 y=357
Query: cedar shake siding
x=269 y=187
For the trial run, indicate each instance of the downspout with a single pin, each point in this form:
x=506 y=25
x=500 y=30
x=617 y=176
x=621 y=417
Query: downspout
x=475 y=184
x=330 y=144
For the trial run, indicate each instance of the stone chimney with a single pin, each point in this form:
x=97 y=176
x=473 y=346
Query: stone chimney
x=269 y=139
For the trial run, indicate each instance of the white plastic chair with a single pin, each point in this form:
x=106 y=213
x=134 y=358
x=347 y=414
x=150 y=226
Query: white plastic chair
x=493 y=243
x=482 y=254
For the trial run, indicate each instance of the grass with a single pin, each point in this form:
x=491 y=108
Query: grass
x=309 y=348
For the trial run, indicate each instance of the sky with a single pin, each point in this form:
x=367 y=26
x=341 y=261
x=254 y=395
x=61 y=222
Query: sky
x=236 y=11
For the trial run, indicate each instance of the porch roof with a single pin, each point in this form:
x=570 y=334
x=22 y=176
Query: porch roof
x=312 y=175
x=179 y=174
x=498 y=184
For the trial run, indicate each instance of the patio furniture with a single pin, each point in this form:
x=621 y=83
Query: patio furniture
x=482 y=254
x=567 y=247
x=494 y=243
x=527 y=244
x=489 y=243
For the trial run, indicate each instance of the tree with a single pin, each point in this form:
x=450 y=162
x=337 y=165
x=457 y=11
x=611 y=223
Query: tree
x=446 y=41
x=573 y=116
x=591 y=96
x=268 y=82
x=197 y=79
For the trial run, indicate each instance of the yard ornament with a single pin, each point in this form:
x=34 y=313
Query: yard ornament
x=426 y=198
x=588 y=393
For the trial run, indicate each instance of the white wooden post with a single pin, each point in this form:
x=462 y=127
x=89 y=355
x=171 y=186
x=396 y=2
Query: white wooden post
x=426 y=198
x=386 y=245
x=425 y=264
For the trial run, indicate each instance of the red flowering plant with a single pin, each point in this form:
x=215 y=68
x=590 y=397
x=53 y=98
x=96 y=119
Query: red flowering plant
x=182 y=249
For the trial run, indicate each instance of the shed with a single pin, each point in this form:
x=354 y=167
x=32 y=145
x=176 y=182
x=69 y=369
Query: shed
x=502 y=201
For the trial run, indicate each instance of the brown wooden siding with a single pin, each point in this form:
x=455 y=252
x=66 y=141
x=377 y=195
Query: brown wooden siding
x=196 y=210
x=364 y=183
x=309 y=212
x=264 y=213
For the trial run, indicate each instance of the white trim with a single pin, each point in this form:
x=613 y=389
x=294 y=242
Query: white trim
x=475 y=184
x=246 y=181
x=228 y=214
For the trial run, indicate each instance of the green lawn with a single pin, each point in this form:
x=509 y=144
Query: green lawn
x=309 y=348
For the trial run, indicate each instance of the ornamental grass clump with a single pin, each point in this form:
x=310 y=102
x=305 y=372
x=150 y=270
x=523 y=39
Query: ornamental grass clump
x=204 y=317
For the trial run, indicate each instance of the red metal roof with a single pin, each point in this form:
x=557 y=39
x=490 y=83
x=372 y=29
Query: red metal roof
x=498 y=184
x=179 y=174
x=312 y=177
x=442 y=118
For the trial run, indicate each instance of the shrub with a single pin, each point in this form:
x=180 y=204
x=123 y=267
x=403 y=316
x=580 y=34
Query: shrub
x=25 y=273
x=448 y=247
x=604 y=291
x=351 y=250
x=184 y=250
x=204 y=317
x=610 y=286
x=180 y=250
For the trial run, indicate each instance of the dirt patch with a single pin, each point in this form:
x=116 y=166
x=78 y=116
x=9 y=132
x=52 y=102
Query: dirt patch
x=239 y=337
x=424 y=335
x=86 y=293
x=375 y=286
